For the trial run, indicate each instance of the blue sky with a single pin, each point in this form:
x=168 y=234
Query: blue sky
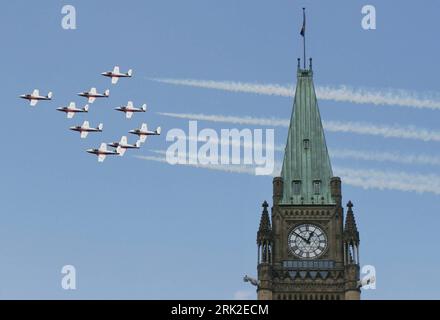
x=137 y=229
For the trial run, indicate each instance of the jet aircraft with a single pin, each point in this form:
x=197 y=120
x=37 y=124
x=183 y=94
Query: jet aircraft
x=85 y=129
x=35 y=96
x=92 y=95
x=116 y=74
x=143 y=132
x=129 y=109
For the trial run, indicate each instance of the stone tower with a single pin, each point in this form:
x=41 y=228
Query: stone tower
x=305 y=251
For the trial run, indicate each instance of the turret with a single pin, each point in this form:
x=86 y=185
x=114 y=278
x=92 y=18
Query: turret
x=351 y=255
x=264 y=243
x=264 y=237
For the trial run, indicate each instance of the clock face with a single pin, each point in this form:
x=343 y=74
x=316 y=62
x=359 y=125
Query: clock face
x=307 y=241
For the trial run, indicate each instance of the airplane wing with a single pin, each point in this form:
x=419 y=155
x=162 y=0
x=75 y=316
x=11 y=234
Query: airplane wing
x=101 y=157
x=84 y=134
x=115 y=80
x=128 y=114
x=70 y=115
x=86 y=125
x=142 y=138
x=72 y=105
x=92 y=99
x=123 y=140
x=121 y=151
x=33 y=103
x=36 y=93
x=93 y=91
x=116 y=69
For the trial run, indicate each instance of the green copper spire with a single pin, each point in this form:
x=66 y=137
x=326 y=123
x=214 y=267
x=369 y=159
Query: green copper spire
x=306 y=168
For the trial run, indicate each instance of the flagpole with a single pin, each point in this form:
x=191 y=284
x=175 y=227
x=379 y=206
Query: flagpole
x=304 y=37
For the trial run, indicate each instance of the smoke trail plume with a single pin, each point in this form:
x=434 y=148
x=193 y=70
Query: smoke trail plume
x=363 y=178
x=388 y=97
x=414 y=159
x=408 y=132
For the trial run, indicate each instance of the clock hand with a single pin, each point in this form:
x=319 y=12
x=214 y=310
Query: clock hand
x=296 y=234
x=310 y=236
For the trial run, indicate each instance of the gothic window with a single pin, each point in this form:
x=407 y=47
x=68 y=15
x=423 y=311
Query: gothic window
x=296 y=186
x=317 y=186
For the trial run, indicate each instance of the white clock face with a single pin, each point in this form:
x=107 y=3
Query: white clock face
x=307 y=241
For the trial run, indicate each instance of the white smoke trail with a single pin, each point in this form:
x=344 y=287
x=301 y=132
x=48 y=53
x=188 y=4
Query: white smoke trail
x=409 y=132
x=341 y=93
x=335 y=153
x=400 y=181
x=225 y=168
x=270 y=122
x=417 y=159
x=363 y=178
x=264 y=89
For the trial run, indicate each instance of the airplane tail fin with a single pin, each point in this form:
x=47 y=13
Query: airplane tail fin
x=144 y=107
x=100 y=126
x=49 y=95
x=130 y=73
x=86 y=108
x=158 y=130
x=103 y=147
x=107 y=92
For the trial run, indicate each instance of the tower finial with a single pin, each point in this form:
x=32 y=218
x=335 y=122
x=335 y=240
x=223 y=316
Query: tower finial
x=303 y=33
x=265 y=205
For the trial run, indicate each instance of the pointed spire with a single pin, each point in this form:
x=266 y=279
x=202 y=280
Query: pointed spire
x=306 y=170
x=265 y=230
x=351 y=233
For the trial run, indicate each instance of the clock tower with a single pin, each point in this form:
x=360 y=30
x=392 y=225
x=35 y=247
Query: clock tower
x=308 y=248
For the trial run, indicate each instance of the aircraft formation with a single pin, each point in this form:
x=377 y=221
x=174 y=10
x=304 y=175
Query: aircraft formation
x=116 y=148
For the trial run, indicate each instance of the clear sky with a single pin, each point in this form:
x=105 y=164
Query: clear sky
x=137 y=229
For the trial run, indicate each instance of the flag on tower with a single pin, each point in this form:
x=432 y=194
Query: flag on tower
x=303 y=29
